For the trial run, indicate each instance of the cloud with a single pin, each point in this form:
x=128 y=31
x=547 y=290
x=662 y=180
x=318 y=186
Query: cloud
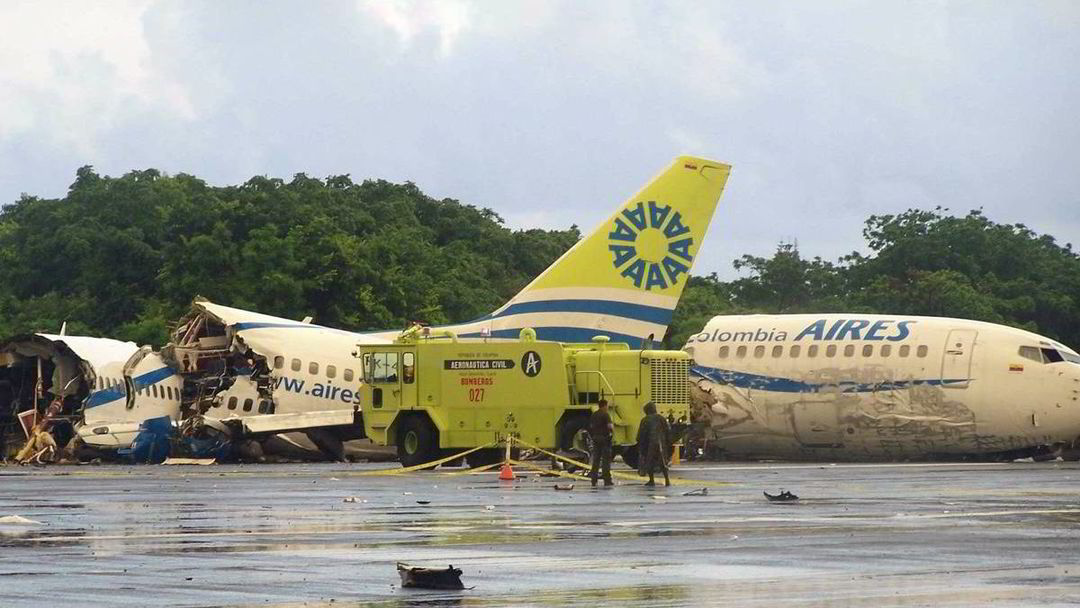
x=446 y=20
x=551 y=112
x=70 y=71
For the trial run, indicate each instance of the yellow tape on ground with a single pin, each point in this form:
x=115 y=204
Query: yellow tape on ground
x=620 y=474
x=483 y=469
x=418 y=467
x=526 y=465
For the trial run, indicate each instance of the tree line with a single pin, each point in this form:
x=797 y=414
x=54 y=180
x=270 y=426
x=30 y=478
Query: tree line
x=123 y=257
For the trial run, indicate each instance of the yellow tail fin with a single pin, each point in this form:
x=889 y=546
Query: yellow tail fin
x=625 y=278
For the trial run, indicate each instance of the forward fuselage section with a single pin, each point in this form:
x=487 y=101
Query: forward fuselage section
x=875 y=387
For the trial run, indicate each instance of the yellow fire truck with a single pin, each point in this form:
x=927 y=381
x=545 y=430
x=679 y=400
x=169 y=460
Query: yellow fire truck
x=431 y=394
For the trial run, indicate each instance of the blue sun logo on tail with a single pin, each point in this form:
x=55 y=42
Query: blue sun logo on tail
x=650 y=245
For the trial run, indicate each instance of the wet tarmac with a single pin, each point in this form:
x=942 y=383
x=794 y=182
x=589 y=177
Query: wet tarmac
x=284 y=535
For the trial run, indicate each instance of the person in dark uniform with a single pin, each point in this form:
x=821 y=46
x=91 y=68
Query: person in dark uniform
x=600 y=431
x=653 y=445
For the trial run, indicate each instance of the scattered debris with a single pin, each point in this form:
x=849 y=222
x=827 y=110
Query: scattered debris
x=423 y=502
x=350 y=499
x=566 y=487
x=489 y=508
x=783 y=496
x=697 y=492
x=151 y=445
x=430 y=578
x=195 y=461
x=18 y=520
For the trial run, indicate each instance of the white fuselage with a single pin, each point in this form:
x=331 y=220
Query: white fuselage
x=126 y=393
x=878 y=387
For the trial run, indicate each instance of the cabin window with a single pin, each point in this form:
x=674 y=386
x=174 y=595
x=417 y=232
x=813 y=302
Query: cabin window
x=830 y=350
x=849 y=350
x=381 y=367
x=759 y=351
x=313 y=368
x=408 y=367
x=868 y=350
x=905 y=350
x=331 y=371
x=248 y=404
x=296 y=365
x=886 y=350
x=723 y=352
x=346 y=375
x=1030 y=352
x=232 y=403
x=922 y=350
x=795 y=351
x=153 y=387
x=740 y=352
x=264 y=406
x=811 y=351
x=777 y=351
x=279 y=362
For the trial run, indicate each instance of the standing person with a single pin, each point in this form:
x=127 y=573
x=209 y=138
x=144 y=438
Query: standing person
x=653 y=444
x=600 y=431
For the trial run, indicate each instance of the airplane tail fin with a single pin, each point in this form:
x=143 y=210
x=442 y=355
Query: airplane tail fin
x=624 y=279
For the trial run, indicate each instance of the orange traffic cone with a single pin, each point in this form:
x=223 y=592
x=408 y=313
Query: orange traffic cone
x=506 y=473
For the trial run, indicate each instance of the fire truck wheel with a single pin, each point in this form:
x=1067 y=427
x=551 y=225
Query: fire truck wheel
x=417 y=442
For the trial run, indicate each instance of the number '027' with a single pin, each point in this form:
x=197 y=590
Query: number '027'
x=476 y=394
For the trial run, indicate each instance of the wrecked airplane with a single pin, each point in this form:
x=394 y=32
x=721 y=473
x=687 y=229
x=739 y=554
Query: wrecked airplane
x=875 y=387
x=251 y=372
x=47 y=380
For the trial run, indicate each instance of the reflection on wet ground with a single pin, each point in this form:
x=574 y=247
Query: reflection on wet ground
x=908 y=535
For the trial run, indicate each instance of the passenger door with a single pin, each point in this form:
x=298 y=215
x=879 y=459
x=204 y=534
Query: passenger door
x=956 y=360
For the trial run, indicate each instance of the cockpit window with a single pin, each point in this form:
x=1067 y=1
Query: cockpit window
x=1052 y=356
x=1030 y=352
x=1047 y=355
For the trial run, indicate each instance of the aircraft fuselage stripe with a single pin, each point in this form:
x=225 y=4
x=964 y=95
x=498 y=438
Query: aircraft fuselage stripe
x=113 y=393
x=787 y=385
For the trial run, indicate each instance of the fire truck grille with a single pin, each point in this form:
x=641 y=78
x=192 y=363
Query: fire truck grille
x=670 y=385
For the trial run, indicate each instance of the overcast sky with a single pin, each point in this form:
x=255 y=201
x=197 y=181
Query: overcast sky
x=551 y=113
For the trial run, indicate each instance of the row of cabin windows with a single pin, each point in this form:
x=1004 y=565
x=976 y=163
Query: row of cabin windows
x=313 y=368
x=811 y=351
x=158 y=392
x=104 y=383
x=265 y=406
x=233 y=402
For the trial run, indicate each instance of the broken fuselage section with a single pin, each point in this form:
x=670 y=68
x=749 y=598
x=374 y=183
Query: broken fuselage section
x=59 y=377
x=262 y=375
